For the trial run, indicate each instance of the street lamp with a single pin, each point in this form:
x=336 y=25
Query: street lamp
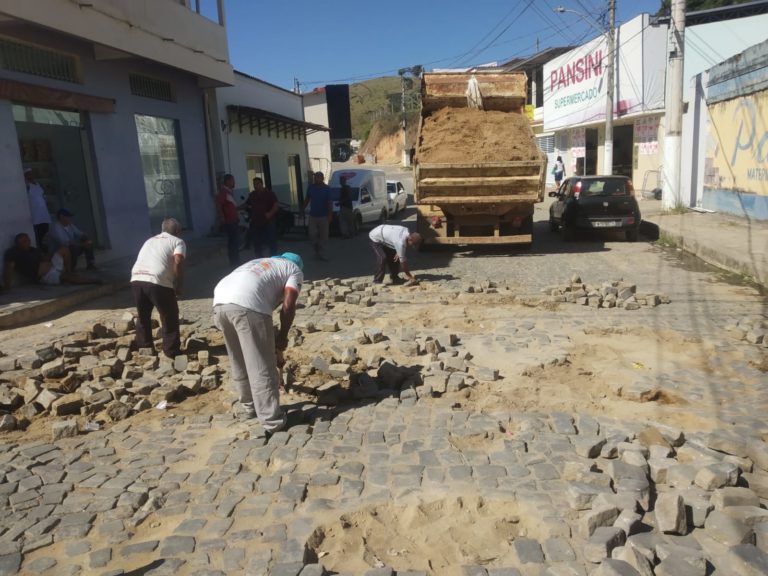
x=608 y=157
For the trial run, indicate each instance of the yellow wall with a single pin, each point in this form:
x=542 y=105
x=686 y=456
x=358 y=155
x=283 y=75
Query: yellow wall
x=737 y=147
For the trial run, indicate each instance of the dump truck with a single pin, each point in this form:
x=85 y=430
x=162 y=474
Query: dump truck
x=478 y=168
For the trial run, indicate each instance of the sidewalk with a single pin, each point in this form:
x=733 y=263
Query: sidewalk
x=25 y=304
x=734 y=244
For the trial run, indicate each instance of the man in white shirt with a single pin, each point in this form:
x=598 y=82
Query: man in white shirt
x=41 y=218
x=389 y=244
x=65 y=233
x=243 y=303
x=156 y=280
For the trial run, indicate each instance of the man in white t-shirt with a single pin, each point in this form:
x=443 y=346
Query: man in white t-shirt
x=243 y=303
x=389 y=244
x=38 y=209
x=156 y=280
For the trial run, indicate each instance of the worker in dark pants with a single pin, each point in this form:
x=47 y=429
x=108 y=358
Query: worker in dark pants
x=389 y=244
x=156 y=282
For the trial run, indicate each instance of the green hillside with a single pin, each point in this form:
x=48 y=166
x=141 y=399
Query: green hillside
x=378 y=101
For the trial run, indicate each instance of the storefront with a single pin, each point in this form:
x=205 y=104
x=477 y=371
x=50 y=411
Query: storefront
x=575 y=87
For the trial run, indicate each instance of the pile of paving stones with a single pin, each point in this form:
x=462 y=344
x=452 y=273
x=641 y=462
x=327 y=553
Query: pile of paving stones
x=753 y=329
x=97 y=375
x=331 y=291
x=614 y=294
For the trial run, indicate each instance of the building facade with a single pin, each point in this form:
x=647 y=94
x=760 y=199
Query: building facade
x=263 y=134
x=104 y=101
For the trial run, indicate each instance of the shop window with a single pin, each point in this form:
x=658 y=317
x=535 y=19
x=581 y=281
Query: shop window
x=161 y=162
x=29 y=59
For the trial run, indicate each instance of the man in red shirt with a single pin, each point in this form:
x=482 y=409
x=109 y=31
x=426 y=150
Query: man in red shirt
x=262 y=206
x=229 y=218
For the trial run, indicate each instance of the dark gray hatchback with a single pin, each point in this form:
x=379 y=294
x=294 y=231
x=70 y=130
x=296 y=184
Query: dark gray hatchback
x=595 y=203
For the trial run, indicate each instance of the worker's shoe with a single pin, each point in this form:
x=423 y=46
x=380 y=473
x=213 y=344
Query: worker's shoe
x=397 y=281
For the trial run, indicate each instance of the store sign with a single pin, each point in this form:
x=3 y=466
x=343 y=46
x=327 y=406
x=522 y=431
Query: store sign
x=647 y=135
x=575 y=83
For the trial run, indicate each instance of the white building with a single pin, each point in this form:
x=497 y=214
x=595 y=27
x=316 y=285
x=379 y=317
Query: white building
x=105 y=101
x=319 y=143
x=263 y=134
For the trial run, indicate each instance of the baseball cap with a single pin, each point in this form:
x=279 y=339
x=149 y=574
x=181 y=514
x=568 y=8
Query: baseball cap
x=64 y=212
x=295 y=258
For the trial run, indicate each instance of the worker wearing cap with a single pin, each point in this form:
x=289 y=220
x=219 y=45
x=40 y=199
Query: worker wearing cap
x=64 y=232
x=38 y=209
x=389 y=243
x=243 y=303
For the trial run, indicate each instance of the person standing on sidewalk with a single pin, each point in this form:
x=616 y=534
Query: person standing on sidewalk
x=41 y=218
x=229 y=218
x=157 y=278
x=320 y=214
x=243 y=303
x=346 y=213
x=389 y=243
x=262 y=206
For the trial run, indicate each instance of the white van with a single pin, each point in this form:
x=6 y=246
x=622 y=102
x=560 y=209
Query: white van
x=369 y=194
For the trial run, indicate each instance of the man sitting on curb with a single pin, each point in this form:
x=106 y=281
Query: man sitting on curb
x=64 y=232
x=389 y=244
x=156 y=282
x=36 y=266
x=242 y=309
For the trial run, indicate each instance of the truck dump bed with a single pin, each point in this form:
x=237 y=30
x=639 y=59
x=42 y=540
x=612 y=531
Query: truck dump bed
x=478 y=170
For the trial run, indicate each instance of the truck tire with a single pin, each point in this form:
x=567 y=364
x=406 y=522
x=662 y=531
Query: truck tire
x=568 y=232
x=553 y=226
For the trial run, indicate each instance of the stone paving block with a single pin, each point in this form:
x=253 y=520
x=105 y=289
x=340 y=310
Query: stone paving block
x=528 y=551
x=746 y=560
x=670 y=513
x=634 y=558
x=734 y=496
x=100 y=558
x=287 y=569
x=758 y=483
x=757 y=451
x=602 y=541
x=601 y=517
x=380 y=572
x=503 y=572
x=676 y=566
x=629 y=521
x=717 y=476
x=177 y=545
x=473 y=571
x=612 y=567
x=727 y=530
x=727 y=442
x=40 y=565
x=139 y=548
x=749 y=515
x=580 y=495
x=558 y=550
x=313 y=570
x=588 y=446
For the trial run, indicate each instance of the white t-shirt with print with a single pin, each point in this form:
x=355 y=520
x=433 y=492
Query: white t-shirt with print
x=155 y=261
x=258 y=285
x=395 y=237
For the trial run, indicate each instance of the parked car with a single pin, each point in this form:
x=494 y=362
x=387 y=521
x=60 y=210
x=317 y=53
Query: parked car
x=396 y=196
x=595 y=203
x=369 y=195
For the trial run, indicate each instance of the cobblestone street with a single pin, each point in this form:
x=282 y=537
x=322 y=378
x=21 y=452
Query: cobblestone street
x=596 y=407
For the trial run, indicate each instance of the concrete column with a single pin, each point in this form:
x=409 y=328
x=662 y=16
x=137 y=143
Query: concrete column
x=673 y=102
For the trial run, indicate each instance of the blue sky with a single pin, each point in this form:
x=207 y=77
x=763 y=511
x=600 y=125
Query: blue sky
x=328 y=41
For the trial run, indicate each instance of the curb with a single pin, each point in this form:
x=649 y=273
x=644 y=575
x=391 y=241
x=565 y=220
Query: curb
x=35 y=313
x=709 y=255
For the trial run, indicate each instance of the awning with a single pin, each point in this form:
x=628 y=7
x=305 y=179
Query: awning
x=259 y=121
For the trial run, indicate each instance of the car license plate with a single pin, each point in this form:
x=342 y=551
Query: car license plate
x=606 y=224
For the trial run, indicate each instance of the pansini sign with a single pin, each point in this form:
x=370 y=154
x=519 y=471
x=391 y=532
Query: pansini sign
x=575 y=90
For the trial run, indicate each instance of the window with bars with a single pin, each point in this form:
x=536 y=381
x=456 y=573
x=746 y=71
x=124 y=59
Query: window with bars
x=546 y=143
x=29 y=59
x=149 y=87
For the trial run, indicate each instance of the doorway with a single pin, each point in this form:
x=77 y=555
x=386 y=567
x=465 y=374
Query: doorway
x=590 y=145
x=623 y=146
x=294 y=181
x=54 y=144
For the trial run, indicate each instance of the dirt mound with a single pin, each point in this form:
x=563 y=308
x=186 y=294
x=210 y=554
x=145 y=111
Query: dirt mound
x=469 y=135
x=428 y=536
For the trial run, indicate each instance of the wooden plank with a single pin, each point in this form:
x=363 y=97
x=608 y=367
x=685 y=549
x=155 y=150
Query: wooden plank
x=438 y=200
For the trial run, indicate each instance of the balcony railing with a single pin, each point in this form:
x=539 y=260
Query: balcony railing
x=211 y=9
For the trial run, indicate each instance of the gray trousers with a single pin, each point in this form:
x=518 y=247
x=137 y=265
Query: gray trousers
x=318 y=233
x=250 y=340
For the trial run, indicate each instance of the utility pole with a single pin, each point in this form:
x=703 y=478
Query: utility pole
x=671 y=195
x=608 y=150
x=402 y=106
